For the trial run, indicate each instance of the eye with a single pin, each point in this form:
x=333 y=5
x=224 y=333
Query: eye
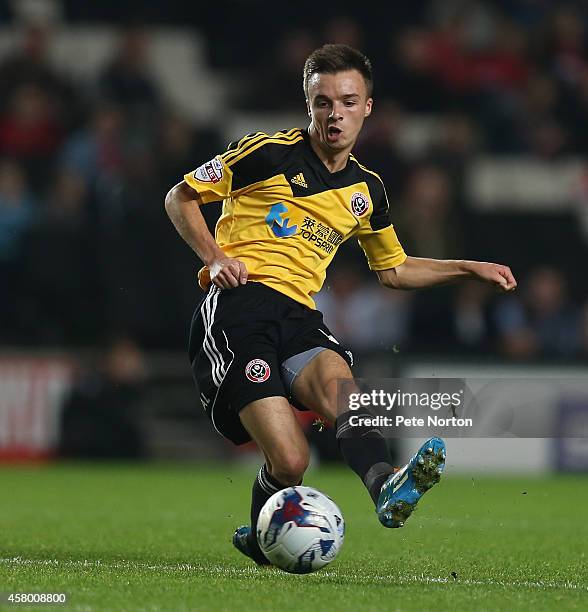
x=350 y=103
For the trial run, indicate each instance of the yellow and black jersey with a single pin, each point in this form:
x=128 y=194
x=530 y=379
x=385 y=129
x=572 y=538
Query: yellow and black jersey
x=284 y=214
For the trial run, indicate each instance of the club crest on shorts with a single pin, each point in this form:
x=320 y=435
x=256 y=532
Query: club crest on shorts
x=359 y=204
x=257 y=370
x=210 y=172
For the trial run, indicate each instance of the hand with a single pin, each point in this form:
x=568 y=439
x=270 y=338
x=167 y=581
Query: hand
x=496 y=274
x=227 y=273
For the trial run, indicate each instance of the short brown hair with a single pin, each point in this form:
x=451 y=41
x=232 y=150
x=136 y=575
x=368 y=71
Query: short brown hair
x=330 y=59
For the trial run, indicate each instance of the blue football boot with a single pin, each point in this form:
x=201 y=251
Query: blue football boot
x=403 y=489
x=241 y=543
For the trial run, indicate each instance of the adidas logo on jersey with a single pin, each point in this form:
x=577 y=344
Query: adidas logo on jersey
x=299 y=180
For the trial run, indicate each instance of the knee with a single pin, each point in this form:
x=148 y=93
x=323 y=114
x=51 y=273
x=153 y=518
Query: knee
x=289 y=468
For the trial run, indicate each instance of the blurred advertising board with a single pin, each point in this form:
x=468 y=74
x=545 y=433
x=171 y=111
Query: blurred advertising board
x=31 y=392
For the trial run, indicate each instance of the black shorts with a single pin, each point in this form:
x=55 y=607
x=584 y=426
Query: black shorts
x=239 y=341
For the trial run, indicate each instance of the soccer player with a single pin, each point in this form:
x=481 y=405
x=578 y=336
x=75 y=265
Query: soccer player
x=257 y=343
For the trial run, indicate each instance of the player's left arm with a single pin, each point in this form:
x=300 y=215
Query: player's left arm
x=419 y=272
x=397 y=270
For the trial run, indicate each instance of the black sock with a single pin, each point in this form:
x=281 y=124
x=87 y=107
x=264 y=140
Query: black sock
x=365 y=452
x=264 y=486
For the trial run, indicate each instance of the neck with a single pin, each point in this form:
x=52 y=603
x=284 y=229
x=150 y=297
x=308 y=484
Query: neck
x=333 y=160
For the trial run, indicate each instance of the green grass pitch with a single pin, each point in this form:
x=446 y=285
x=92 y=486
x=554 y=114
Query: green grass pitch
x=157 y=537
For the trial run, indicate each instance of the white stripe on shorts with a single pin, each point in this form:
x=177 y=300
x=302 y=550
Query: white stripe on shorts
x=215 y=357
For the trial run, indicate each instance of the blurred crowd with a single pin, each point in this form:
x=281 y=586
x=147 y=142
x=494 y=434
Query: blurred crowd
x=86 y=250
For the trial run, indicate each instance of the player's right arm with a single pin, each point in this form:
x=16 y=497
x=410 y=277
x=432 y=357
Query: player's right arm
x=182 y=204
x=238 y=170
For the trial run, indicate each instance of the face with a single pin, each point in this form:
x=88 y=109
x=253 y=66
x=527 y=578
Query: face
x=337 y=105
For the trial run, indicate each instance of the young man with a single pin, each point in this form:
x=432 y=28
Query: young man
x=257 y=344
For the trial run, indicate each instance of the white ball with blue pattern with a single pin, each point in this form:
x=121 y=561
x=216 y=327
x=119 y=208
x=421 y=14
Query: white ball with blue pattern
x=300 y=529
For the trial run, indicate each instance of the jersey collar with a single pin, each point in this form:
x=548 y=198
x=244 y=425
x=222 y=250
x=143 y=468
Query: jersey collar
x=317 y=163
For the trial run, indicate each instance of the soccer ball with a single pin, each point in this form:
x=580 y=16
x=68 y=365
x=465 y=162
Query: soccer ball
x=300 y=529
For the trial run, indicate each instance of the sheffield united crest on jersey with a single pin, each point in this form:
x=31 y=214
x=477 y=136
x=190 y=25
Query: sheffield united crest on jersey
x=210 y=172
x=257 y=371
x=359 y=204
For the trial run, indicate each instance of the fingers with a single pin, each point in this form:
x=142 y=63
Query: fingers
x=243 y=274
x=506 y=279
x=232 y=272
x=496 y=274
x=228 y=277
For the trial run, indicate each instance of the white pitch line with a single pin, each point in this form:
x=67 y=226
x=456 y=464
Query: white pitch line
x=251 y=571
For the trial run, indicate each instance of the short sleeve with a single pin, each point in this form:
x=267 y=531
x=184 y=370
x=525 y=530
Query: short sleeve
x=243 y=165
x=212 y=180
x=382 y=248
x=378 y=238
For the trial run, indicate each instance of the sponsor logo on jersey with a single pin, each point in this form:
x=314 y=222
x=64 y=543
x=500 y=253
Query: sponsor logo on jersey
x=359 y=204
x=210 y=172
x=299 y=180
x=279 y=225
x=257 y=371
x=323 y=236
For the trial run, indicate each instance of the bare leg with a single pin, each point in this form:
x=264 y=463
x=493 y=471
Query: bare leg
x=275 y=429
x=364 y=449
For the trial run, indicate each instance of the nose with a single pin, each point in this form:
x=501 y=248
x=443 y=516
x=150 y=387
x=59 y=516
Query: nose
x=335 y=113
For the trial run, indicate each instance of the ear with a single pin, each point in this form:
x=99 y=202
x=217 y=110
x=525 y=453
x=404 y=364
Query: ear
x=308 y=108
x=368 y=107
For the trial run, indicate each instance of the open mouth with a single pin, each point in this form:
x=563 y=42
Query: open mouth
x=334 y=132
